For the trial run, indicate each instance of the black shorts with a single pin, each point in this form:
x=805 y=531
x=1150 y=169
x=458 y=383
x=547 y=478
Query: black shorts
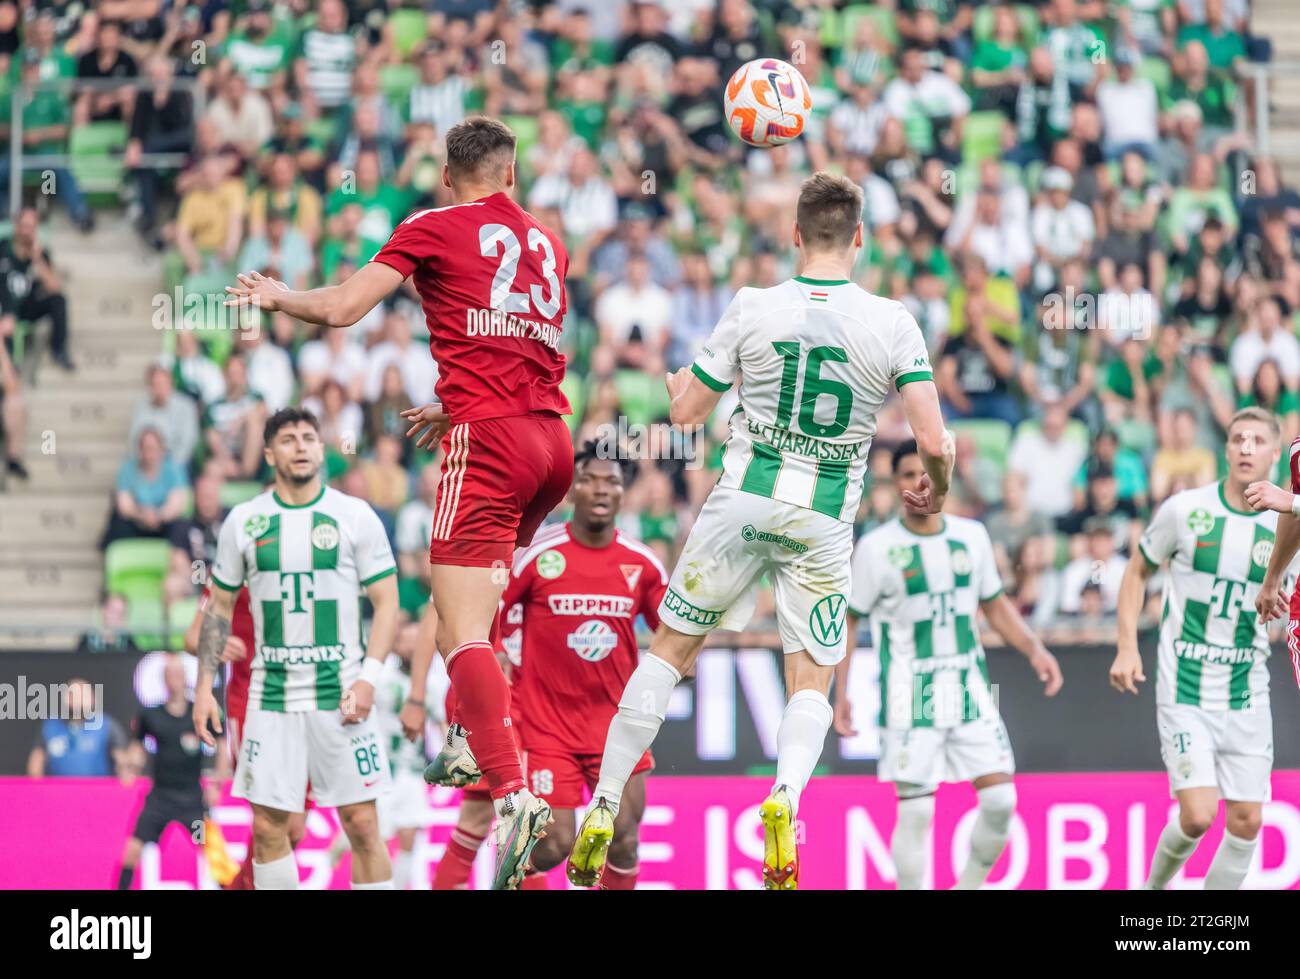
x=159 y=810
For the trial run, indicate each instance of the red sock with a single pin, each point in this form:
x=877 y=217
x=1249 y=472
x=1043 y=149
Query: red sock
x=244 y=879
x=454 y=867
x=619 y=878
x=483 y=706
x=534 y=881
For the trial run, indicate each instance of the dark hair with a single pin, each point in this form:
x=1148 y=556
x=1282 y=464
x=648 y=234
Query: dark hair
x=591 y=450
x=286 y=417
x=480 y=148
x=829 y=211
x=901 y=452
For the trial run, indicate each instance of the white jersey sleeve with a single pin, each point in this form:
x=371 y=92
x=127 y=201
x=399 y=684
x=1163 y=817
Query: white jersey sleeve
x=990 y=581
x=718 y=361
x=1160 y=539
x=909 y=360
x=374 y=554
x=229 y=570
x=866 y=586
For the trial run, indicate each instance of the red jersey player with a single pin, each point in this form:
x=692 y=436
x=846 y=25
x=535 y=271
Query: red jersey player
x=492 y=283
x=1271 y=600
x=577 y=593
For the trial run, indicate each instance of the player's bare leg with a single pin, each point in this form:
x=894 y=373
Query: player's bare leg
x=274 y=868
x=371 y=868
x=799 y=741
x=641 y=711
x=1236 y=850
x=1197 y=808
x=997 y=804
x=466 y=599
x=473 y=824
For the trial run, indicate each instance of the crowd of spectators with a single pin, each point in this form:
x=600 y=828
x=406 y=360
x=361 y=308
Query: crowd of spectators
x=1063 y=193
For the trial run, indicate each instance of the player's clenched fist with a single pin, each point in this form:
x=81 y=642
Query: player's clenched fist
x=1264 y=495
x=1126 y=672
x=357 y=702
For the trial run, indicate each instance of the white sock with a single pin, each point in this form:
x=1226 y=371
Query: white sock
x=1172 y=852
x=640 y=713
x=997 y=803
x=910 y=844
x=402 y=869
x=277 y=875
x=1231 y=863
x=799 y=741
x=378 y=885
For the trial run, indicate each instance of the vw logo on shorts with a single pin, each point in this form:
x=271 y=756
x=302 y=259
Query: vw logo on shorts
x=827 y=620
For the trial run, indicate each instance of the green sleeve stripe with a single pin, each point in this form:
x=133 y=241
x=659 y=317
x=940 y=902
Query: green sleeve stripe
x=1147 y=557
x=378 y=577
x=855 y=613
x=221 y=584
x=911 y=376
x=708 y=379
x=996 y=594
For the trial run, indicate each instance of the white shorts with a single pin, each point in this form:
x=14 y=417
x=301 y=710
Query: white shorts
x=405 y=805
x=284 y=750
x=926 y=756
x=737 y=538
x=1231 y=750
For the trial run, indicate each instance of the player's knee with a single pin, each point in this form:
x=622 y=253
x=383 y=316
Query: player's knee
x=1195 y=820
x=361 y=824
x=269 y=832
x=1244 y=822
x=997 y=805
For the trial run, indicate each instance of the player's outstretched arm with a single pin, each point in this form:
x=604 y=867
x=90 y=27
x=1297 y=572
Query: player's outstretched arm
x=1007 y=622
x=1126 y=672
x=336 y=306
x=691 y=401
x=360 y=697
x=933 y=441
x=213 y=633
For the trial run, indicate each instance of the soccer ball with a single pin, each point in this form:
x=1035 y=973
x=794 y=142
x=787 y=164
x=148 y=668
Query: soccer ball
x=767 y=102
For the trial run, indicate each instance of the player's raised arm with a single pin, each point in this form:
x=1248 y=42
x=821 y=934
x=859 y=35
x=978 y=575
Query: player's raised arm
x=933 y=440
x=335 y=306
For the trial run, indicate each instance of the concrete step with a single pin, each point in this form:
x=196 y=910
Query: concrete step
x=45 y=581
x=54 y=519
x=88 y=471
x=18 y=553
x=105 y=415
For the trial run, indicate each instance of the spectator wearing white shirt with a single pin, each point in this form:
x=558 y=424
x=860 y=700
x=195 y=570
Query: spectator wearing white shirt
x=1049 y=461
x=419 y=372
x=341 y=421
x=1062 y=228
x=1101 y=566
x=927 y=103
x=1128 y=311
x=336 y=357
x=634 y=319
x=242 y=118
x=1001 y=241
x=1130 y=111
x=1265 y=338
x=854 y=124
x=199 y=374
x=587 y=204
x=270 y=370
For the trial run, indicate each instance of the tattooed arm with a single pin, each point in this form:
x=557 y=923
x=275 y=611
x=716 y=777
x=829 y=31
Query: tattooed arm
x=213 y=633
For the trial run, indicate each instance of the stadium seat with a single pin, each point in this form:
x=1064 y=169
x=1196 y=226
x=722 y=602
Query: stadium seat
x=180 y=614
x=992 y=437
x=398 y=80
x=1159 y=73
x=235 y=493
x=526 y=130
x=886 y=27
x=147 y=623
x=409 y=28
x=96 y=151
x=642 y=397
x=982 y=26
x=135 y=562
x=981 y=136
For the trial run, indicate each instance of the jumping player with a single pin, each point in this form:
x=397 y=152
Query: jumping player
x=491 y=280
x=923 y=579
x=306 y=552
x=814 y=358
x=1212 y=698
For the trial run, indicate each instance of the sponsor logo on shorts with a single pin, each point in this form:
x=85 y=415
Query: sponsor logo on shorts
x=1199 y=522
x=550 y=564
x=765 y=537
x=593 y=640
x=683 y=609
x=826 y=621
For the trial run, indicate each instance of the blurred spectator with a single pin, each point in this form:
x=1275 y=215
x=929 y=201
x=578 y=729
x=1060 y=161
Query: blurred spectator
x=1181 y=463
x=242 y=117
x=1265 y=337
x=326 y=56
x=1062 y=228
x=13 y=406
x=286 y=194
x=415 y=525
x=194 y=541
x=30 y=287
x=1103 y=504
x=332 y=356
x=280 y=253
x=166 y=411
x=233 y=426
x=195 y=373
x=209 y=224
x=1129 y=110
x=106 y=62
x=977 y=362
x=111 y=633
x=387 y=482
x=340 y=419
x=697 y=305
x=1015 y=522
x=1048 y=457
x=635 y=321
x=161 y=122
x=150 y=492
x=86 y=743
x=928 y=103
x=419 y=372
x=1099 y=566
x=269 y=369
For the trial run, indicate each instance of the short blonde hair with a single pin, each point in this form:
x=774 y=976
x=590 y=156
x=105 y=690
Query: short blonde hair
x=1261 y=415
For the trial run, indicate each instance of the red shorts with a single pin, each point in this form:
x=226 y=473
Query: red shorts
x=562 y=778
x=500 y=478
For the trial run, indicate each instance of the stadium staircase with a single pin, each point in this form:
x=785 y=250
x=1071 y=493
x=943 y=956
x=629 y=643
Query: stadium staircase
x=1278 y=21
x=51 y=569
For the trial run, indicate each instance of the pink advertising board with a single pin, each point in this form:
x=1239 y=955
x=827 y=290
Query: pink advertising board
x=1070 y=831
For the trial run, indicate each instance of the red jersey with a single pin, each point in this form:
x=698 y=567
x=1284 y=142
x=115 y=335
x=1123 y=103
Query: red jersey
x=491 y=280
x=576 y=607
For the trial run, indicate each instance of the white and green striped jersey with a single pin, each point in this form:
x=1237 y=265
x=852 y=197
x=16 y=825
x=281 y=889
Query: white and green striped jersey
x=922 y=593
x=305 y=567
x=391 y=692
x=815 y=360
x=1212 y=648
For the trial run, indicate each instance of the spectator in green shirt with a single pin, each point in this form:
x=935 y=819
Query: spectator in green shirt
x=260 y=50
x=1223 y=45
x=999 y=65
x=1202 y=196
x=1211 y=91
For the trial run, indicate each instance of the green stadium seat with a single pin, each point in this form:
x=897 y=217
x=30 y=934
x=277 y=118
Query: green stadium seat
x=526 y=130
x=886 y=26
x=147 y=623
x=135 y=564
x=575 y=390
x=992 y=437
x=408 y=28
x=96 y=151
x=981 y=136
x=396 y=81
x=642 y=397
x=982 y=27
x=180 y=614
x=235 y=493
x=1159 y=73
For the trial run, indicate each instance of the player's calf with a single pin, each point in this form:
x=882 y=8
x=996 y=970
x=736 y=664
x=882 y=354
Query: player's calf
x=370 y=863
x=554 y=848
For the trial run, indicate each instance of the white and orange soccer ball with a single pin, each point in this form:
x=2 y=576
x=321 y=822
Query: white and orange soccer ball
x=767 y=102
